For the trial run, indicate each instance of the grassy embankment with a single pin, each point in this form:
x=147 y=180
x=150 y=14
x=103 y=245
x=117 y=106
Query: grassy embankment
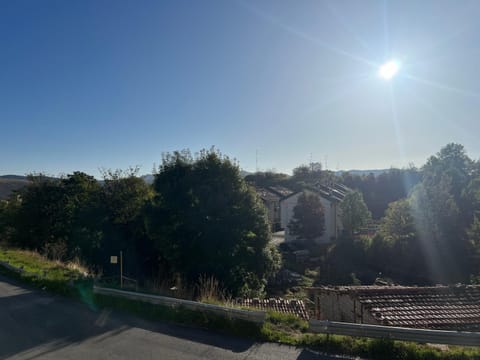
x=287 y=329
x=65 y=279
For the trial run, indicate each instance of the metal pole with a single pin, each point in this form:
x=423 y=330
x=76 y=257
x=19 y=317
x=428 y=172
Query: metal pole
x=121 y=269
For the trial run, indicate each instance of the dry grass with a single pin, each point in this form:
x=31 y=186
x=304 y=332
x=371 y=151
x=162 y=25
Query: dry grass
x=174 y=287
x=77 y=265
x=210 y=291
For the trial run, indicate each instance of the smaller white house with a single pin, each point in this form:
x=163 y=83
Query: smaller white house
x=271 y=197
x=271 y=200
x=330 y=198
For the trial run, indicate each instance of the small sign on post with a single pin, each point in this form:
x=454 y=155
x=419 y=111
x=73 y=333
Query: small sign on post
x=114 y=260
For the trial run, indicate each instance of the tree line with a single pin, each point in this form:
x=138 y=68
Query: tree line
x=198 y=219
x=429 y=221
x=378 y=191
x=429 y=236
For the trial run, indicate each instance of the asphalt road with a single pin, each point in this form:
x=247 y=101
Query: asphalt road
x=35 y=325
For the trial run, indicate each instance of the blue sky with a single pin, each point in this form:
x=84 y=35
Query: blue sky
x=91 y=84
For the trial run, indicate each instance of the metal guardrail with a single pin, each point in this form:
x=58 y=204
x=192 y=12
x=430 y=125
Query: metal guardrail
x=232 y=313
x=127 y=280
x=127 y=283
x=396 y=333
x=316 y=326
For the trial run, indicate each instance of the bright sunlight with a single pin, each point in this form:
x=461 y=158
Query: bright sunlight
x=389 y=69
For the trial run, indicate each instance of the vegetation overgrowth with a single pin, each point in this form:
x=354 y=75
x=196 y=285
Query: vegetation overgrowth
x=30 y=267
x=429 y=237
x=426 y=229
x=60 y=278
x=201 y=218
x=289 y=329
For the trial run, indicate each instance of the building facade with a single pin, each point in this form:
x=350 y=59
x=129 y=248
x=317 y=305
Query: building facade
x=331 y=206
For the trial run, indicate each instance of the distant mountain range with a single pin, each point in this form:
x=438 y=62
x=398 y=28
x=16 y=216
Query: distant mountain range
x=375 y=172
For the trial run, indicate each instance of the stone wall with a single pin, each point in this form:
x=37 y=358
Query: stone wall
x=339 y=305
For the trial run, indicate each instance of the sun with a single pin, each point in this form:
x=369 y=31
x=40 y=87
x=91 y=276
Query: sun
x=389 y=69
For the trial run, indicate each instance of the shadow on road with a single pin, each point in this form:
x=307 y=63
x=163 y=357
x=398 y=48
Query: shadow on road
x=31 y=319
x=35 y=324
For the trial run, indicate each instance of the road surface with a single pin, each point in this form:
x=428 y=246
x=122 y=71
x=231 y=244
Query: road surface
x=36 y=325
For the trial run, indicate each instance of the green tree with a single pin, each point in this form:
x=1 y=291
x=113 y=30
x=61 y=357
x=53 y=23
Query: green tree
x=124 y=197
x=354 y=212
x=82 y=202
x=308 y=222
x=124 y=194
x=310 y=175
x=443 y=212
x=451 y=164
x=380 y=190
x=41 y=218
x=205 y=220
x=398 y=223
x=473 y=233
x=397 y=248
x=268 y=178
x=346 y=262
x=52 y=212
x=8 y=212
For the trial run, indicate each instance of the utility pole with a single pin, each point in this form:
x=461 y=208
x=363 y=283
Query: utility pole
x=121 y=269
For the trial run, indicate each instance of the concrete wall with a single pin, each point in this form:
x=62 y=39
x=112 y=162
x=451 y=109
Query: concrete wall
x=273 y=213
x=341 y=306
x=334 y=307
x=286 y=211
x=330 y=214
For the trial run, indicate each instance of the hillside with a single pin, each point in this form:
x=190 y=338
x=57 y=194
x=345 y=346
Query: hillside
x=10 y=183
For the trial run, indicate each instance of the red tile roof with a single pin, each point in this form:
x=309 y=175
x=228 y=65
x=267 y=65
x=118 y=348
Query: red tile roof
x=440 y=307
x=294 y=307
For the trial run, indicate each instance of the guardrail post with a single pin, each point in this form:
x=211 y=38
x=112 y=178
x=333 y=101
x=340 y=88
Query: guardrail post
x=121 y=269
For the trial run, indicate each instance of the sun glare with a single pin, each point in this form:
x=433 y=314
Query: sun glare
x=389 y=69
